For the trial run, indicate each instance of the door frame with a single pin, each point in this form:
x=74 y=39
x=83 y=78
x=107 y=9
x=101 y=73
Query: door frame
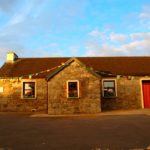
x=142 y=98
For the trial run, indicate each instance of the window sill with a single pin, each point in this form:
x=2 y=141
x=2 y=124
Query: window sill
x=25 y=98
x=73 y=97
x=113 y=97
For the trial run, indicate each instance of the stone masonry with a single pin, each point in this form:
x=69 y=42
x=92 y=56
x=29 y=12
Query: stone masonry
x=89 y=88
x=51 y=96
x=10 y=99
x=128 y=95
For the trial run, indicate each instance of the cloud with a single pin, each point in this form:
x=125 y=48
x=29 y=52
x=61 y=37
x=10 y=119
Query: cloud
x=95 y=49
x=145 y=14
x=96 y=33
x=74 y=49
x=65 y=16
x=136 y=44
x=29 y=20
x=41 y=28
x=20 y=27
x=139 y=47
x=44 y=53
x=115 y=37
x=21 y=16
x=140 y=35
x=7 y=6
x=144 y=17
x=138 y=20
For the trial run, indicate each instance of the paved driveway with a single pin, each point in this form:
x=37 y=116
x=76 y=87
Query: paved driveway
x=21 y=132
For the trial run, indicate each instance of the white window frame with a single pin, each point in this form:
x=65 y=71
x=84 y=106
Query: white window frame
x=25 y=81
x=77 y=88
x=111 y=79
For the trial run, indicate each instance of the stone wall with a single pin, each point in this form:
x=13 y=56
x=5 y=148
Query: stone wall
x=128 y=95
x=10 y=98
x=89 y=87
x=52 y=96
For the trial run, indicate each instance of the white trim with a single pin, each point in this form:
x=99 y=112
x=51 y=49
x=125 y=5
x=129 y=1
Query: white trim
x=77 y=88
x=28 y=80
x=142 y=98
x=110 y=79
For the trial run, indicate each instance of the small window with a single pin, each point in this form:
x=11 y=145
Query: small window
x=28 y=89
x=72 y=89
x=1 y=89
x=109 y=88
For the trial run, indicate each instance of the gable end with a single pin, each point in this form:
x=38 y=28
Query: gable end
x=67 y=63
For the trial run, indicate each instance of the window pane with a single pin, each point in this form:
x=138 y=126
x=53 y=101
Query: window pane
x=72 y=89
x=1 y=90
x=109 y=88
x=108 y=83
x=29 y=89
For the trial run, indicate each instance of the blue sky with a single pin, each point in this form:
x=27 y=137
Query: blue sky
x=48 y=28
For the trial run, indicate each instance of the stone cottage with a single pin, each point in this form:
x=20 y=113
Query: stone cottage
x=66 y=85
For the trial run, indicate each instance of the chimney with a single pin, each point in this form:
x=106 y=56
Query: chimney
x=11 y=57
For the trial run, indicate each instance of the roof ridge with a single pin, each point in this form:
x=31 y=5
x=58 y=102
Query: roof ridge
x=83 y=57
x=40 y=57
x=123 y=65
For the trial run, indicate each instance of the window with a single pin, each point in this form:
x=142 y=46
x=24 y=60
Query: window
x=109 y=88
x=28 y=89
x=72 y=89
x=1 y=89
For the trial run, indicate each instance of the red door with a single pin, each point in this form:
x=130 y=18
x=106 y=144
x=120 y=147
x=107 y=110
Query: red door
x=146 y=94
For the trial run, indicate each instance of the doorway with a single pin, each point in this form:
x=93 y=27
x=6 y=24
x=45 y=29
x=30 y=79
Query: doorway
x=146 y=93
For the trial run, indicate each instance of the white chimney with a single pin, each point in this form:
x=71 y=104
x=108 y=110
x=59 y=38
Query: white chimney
x=11 y=57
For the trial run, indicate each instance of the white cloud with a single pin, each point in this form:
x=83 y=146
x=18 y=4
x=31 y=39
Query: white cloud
x=33 y=20
x=20 y=17
x=74 y=49
x=144 y=17
x=7 y=6
x=20 y=26
x=48 y=46
x=140 y=47
x=138 y=20
x=29 y=19
x=145 y=14
x=115 y=37
x=95 y=49
x=98 y=35
x=45 y=53
x=137 y=44
x=140 y=35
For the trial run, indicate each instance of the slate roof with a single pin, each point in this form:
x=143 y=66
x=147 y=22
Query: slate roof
x=139 y=66
x=67 y=63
